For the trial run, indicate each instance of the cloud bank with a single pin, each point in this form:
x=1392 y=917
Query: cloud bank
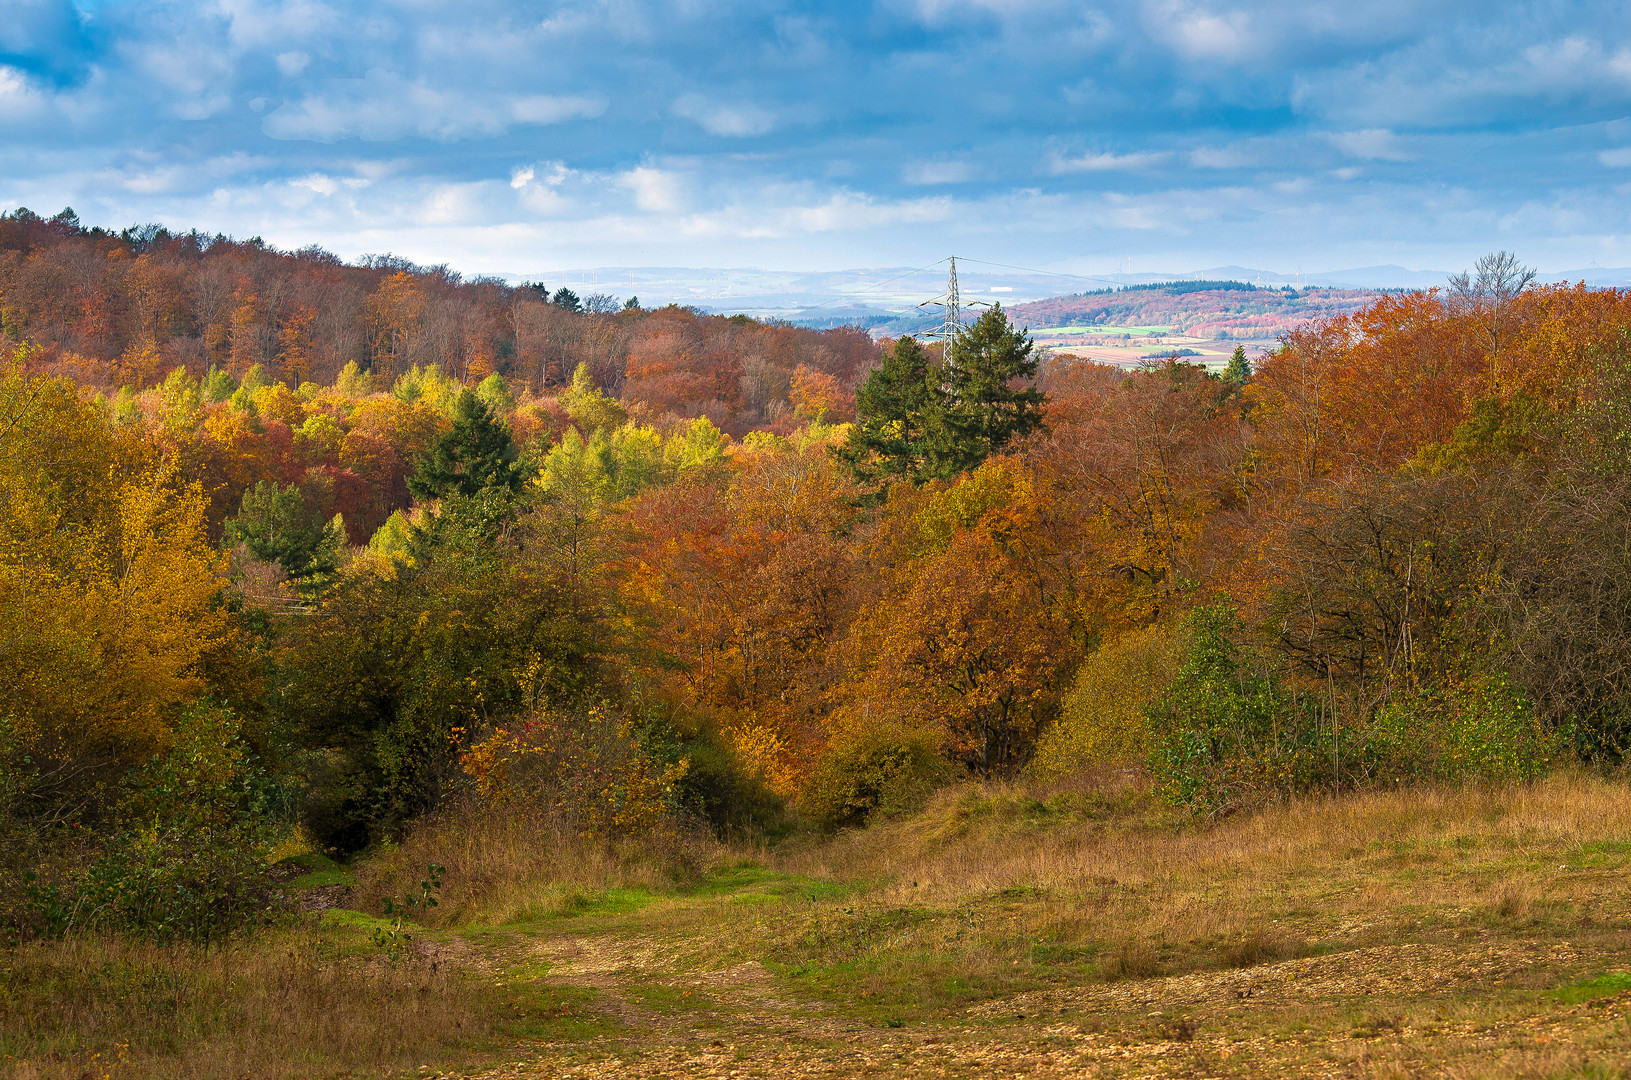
x=509 y=137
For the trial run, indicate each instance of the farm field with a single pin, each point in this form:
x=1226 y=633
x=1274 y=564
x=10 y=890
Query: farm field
x=1211 y=354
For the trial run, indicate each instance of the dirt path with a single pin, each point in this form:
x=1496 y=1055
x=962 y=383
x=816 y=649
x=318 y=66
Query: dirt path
x=1384 y=1011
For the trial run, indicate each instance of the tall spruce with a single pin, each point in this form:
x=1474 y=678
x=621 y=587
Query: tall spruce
x=919 y=420
x=983 y=411
x=895 y=409
x=478 y=453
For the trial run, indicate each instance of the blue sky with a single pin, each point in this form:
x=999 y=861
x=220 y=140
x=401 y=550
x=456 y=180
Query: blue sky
x=1085 y=137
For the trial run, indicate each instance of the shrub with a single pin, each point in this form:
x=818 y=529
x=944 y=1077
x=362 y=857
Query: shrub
x=188 y=857
x=1482 y=728
x=885 y=769
x=1226 y=731
x=1103 y=717
x=587 y=765
x=1222 y=727
x=732 y=798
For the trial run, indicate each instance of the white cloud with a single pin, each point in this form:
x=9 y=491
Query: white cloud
x=1224 y=157
x=1107 y=162
x=1373 y=144
x=317 y=183
x=18 y=100
x=292 y=63
x=1618 y=158
x=925 y=173
x=1200 y=34
x=655 y=190
x=383 y=105
x=544 y=109
x=258 y=24
x=734 y=121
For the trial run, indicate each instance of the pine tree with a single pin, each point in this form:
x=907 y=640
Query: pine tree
x=1239 y=371
x=477 y=454
x=895 y=408
x=983 y=411
x=922 y=421
x=286 y=525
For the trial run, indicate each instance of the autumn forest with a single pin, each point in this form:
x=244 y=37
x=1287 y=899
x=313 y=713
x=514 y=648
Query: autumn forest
x=302 y=559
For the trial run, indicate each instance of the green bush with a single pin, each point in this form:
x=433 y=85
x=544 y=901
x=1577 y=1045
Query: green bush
x=188 y=857
x=1483 y=728
x=1227 y=731
x=1104 y=714
x=880 y=770
x=720 y=790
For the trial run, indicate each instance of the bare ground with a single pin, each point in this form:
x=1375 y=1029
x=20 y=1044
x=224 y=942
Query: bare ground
x=1376 y=1011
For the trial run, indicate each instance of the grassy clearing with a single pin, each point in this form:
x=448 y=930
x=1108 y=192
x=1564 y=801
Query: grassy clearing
x=1468 y=931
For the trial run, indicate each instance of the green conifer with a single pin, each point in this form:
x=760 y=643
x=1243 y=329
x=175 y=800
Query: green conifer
x=477 y=454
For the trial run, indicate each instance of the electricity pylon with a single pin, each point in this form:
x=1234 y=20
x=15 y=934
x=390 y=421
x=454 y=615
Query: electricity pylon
x=952 y=325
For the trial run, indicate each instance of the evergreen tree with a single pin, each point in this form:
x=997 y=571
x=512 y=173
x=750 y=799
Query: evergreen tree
x=286 y=525
x=982 y=411
x=894 y=410
x=566 y=298
x=1239 y=371
x=922 y=421
x=478 y=453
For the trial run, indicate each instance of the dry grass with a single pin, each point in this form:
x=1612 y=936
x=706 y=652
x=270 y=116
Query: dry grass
x=513 y=862
x=1007 y=930
x=1109 y=872
x=288 y=1004
x=1081 y=928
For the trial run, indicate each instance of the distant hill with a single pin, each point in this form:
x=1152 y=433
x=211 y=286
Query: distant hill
x=1218 y=310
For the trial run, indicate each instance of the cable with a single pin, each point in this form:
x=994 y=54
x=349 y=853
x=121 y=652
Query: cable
x=879 y=285
x=1047 y=273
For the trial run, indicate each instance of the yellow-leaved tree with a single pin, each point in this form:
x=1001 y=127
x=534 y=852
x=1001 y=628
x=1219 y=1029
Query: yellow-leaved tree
x=109 y=621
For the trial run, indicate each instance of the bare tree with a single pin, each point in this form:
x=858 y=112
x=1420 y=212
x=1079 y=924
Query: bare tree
x=1488 y=298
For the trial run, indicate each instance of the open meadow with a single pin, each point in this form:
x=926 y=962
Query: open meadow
x=1480 y=931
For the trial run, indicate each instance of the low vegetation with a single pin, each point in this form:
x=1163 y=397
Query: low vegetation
x=1470 y=929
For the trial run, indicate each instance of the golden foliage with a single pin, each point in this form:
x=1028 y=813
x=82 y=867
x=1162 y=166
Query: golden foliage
x=108 y=582
x=590 y=768
x=1102 y=717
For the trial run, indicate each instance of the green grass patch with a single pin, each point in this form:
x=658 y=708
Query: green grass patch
x=574 y=903
x=1615 y=982
x=556 y=1014
x=730 y=879
x=671 y=999
x=1061 y=955
x=312 y=870
x=1599 y=855
x=345 y=919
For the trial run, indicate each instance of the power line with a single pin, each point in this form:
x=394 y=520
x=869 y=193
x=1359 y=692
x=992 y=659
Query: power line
x=879 y=285
x=1046 y=273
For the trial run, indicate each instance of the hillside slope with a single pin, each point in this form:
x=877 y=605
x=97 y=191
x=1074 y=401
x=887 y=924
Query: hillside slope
x=1219 y=310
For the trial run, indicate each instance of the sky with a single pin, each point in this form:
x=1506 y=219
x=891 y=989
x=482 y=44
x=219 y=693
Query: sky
x=1081 y=137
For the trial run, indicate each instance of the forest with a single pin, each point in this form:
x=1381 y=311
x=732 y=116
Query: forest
x=301 y=559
